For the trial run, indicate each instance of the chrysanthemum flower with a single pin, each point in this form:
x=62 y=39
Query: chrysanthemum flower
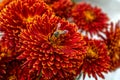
x=96 y=61
x=15 y=16
x=89 y=19
x=112 y=41
x=53 y=48
x=20 y=12
x=62 y=8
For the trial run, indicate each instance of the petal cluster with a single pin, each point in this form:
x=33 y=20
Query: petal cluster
x=63 y=11
x=18 y=13
x=89 y=19
x=97 y=60
x=112 y=41
x=54 y=49
x=14 y=16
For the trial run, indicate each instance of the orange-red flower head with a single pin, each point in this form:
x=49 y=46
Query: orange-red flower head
x=97 y=60
x=112 y=41
x=15 y=16
x=89 y=19
x=52 y=48
x=18 y=13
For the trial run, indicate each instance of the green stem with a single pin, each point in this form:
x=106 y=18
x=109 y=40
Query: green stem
x=79 y=76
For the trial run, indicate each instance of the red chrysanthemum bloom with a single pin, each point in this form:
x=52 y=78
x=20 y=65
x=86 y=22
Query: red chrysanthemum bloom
x=15 y=16
x=62 y=8
x=89 y=19
x=96 y=61
x=112 y=41
x=18 y=13
x=53 y=48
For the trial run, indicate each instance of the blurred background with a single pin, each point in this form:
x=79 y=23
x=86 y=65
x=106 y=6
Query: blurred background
x=112 y=9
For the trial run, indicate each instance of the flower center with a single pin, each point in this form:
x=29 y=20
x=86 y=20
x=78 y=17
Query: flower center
x=89 y=16
x=29 y=19
x=92 y=55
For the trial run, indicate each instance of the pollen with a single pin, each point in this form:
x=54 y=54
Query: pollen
x=92 y=53
x=29 y=19
x=89 y=16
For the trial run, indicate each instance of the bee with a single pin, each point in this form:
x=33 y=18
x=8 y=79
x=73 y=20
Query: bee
x=60 y=32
